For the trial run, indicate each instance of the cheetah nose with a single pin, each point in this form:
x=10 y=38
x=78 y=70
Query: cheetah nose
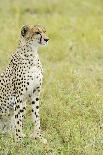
x=46 y=39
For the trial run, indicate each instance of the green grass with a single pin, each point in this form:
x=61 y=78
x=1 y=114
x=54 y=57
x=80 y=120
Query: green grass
x=72 y=94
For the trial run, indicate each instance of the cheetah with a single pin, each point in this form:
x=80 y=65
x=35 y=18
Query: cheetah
x=22 y=80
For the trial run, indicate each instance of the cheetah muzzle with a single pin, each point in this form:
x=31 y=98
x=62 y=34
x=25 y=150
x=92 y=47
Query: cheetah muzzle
x=22 y=80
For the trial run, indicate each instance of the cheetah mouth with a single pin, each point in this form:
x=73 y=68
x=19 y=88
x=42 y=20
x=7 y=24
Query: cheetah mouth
x=43 y=41
x=40 y=42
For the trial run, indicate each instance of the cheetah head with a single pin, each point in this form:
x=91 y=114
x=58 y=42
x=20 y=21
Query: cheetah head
x=36 y=34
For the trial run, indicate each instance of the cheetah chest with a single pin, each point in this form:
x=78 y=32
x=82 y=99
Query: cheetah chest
x=33 y=78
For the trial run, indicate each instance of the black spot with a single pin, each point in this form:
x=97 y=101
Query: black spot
x=17 y=106
x=16 y=116
x=18 y=130
x=19 y=137
x=37 y=99
x=21 y=110
x=37 y=107
x=27 y=83
x=36 y=116
x=34 y=90
x=17 y=122
x=33 y=102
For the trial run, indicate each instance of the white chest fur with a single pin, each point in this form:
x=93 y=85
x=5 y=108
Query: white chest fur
x=34 y=78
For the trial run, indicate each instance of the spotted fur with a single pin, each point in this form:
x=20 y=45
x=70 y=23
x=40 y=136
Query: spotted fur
x=21 y=80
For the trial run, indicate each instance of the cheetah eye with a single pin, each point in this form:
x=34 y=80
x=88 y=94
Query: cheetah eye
x=37 y=32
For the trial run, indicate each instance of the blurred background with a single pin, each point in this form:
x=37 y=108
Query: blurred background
x=72 y=94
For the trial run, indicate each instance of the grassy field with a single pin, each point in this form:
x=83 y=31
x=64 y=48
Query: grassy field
x=72 y=94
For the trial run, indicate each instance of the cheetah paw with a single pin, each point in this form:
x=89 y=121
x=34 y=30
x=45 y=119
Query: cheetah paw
x=38 y=136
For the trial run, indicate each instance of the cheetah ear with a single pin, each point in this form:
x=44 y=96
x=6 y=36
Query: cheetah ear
x=24 y=30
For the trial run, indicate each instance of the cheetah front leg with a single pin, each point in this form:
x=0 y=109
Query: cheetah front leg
x=36 y=116
x=18 y=109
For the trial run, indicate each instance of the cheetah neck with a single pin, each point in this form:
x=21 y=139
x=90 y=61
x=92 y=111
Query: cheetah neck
x=27 y=49
x=28 y=52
